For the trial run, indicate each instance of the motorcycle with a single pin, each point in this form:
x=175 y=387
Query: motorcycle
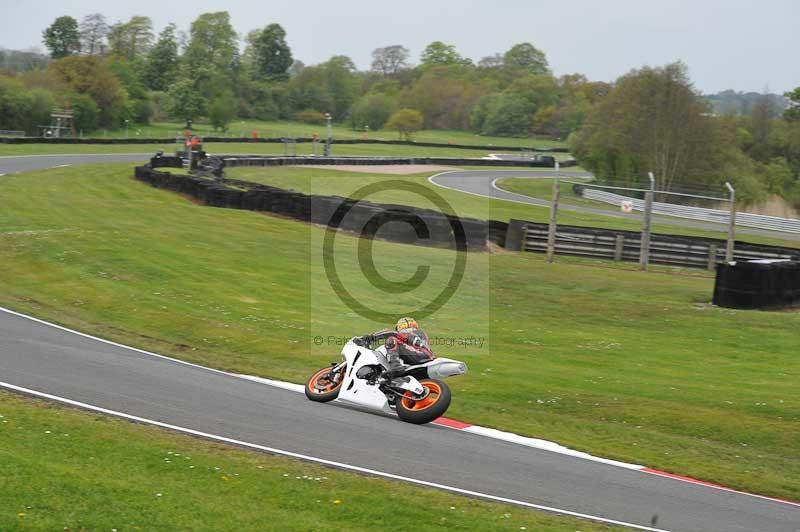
x=417 y=395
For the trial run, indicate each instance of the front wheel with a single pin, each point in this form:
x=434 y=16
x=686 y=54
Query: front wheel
x=324 y=385
x=429 y=407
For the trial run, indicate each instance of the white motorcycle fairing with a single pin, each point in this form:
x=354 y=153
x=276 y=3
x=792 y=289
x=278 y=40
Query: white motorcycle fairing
x=359 y=391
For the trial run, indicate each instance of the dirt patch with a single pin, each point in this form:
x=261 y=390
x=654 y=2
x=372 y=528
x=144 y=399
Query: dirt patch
x=396 y=169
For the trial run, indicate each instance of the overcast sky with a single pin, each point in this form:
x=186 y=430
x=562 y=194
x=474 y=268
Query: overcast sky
x=728 y=44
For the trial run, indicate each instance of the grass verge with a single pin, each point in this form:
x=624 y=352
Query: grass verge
x=629 y=365
x=65 y=469
x=244 y=128
x=234 y=148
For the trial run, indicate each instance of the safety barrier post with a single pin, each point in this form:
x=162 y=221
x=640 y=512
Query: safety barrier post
x=551 y=230
x=731 y=223
x=644 y=252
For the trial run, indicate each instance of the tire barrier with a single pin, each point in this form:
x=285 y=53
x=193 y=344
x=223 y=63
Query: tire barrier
x=758 y=285
x=397 y=223
x=233 y=161
x=272 y=140
x=698 y=252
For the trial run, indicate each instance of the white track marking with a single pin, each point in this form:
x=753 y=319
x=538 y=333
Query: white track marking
x=431 y=181
x=292 y=387
x=70 y=155
x=544 y=445
x=322 y=461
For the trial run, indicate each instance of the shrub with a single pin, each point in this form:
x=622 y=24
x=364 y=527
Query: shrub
x=406 y=122
x=310 y=116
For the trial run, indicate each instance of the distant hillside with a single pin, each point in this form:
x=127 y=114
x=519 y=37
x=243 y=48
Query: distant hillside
x=741 y=103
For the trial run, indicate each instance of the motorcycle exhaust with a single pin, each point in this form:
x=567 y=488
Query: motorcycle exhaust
x=446 y=369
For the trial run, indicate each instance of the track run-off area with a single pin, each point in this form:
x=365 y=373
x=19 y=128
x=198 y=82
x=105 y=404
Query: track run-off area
x=55 y=363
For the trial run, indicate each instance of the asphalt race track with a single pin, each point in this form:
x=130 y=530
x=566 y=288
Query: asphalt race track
x=50 y=360
x=481 y=183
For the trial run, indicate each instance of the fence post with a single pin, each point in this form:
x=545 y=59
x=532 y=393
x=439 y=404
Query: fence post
x=619 y=247
x=712 y=256
x=731 y=223
x=551 y=229
x=644 y=250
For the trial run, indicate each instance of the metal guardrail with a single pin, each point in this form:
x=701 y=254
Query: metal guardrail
x=11 y=133
x=664 y=249
x=744 y=219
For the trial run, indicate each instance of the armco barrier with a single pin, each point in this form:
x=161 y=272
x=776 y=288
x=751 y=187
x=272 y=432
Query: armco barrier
x=391 y=222
x=272 y=140
x=674 y=250
x=758 y=285
x=744 y=219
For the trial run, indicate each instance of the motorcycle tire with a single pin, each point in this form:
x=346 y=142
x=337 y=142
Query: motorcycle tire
x=319 y=388
x=425 y=410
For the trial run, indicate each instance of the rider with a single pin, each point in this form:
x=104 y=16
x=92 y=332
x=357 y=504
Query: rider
x=406 y=344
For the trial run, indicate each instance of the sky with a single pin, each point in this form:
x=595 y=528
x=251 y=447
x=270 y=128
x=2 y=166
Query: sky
x=727 y=44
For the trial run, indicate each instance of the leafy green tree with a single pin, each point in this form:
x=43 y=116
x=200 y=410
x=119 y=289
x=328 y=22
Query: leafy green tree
x=161 y=67
x=792 y=112
x=85 y=113
x=372 y=110
x=183 y=102
x=653 y=120
x=509 y=115
x=444 y=95
x=212 y=54
x=273 y=55
x=439 y=53
x=14 y=103
x=130 y=73
x=62 y=37
x=526 y=57
x=342 y=83
x=222 y=111
x=91 y=75
x=131 y=39
x=406 y=122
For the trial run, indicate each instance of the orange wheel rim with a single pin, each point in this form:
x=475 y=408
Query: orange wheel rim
x=434 y=391
x=320 y=383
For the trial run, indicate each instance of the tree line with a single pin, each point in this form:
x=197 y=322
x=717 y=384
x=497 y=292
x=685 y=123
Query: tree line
x=651 y=119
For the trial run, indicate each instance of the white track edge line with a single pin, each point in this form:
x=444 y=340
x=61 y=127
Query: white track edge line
x=71 y=155
x=323 y=461
x=475 y=429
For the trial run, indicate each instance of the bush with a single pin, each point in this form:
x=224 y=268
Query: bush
x=85 y=113
x=221 y=111
x=310 y=116
x=372 y=110
x=184 y=102
x=406 y=122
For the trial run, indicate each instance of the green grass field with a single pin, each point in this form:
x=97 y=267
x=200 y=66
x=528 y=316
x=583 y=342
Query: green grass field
x=64 y=469
x=543 y=188
x=247 y=148
x=239 y=128
x=628 y=365
x=331 y=182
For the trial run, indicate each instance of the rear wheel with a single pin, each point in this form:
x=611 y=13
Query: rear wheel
x=324 y=385
x=433 y=404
